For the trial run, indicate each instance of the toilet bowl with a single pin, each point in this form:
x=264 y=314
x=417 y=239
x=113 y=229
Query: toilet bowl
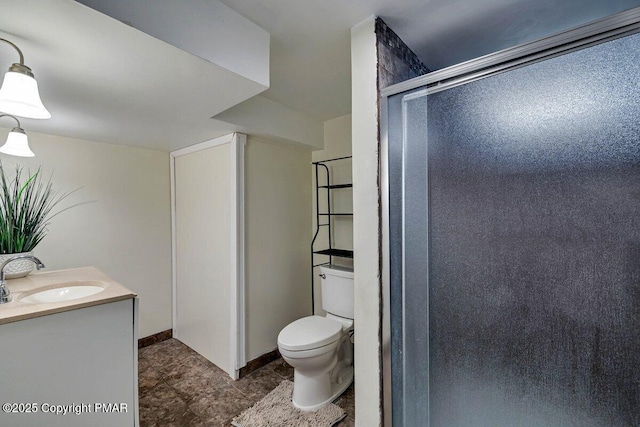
x=320 y=348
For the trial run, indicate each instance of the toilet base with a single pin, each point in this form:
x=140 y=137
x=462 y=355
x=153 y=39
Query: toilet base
x=332 y=389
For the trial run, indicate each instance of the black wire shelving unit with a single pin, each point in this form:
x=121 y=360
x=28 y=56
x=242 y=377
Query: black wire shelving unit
x=324 y=222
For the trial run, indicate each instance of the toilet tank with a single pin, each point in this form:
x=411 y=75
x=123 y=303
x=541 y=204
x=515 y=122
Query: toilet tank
x=337 y=290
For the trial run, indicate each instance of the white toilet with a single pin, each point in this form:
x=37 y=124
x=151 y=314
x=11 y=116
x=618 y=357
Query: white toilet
x=320 y=348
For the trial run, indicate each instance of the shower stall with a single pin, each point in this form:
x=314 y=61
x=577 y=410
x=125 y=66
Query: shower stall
x=513 y=209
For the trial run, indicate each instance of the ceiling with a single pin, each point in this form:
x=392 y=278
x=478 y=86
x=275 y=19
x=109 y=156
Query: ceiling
x=106 y=81
x=310 y=40
x=129 y=100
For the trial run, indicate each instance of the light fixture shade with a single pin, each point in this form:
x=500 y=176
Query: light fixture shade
x=19 y=96
x=17 y=144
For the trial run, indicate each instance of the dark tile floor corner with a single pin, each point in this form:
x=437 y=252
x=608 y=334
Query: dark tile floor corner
x=180 y=388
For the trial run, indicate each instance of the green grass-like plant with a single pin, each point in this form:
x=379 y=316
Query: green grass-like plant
x=25 y=210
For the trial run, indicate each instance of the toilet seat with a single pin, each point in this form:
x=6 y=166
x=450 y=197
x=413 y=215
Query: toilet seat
x=309 y=333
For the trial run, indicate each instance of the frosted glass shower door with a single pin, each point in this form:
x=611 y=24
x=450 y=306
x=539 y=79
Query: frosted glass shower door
x=515 y=246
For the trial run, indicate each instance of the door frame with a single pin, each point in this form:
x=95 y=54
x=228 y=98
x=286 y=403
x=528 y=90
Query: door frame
x=237 y=333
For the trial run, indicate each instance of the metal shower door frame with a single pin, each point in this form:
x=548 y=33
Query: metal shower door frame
x=396 y=407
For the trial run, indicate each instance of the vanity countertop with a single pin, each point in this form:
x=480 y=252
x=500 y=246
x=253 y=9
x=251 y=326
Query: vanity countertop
x=17 y=310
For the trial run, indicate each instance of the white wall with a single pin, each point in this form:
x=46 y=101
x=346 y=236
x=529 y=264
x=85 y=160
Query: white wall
x=366 y=223
x=126 y=232
x=337 y=139
x=277 y=238
x=337 y=143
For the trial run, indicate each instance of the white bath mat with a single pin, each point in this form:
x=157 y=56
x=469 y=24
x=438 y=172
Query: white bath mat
x=276 y=410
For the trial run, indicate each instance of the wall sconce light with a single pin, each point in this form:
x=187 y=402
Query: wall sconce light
x=17 y=142
x=19 y=92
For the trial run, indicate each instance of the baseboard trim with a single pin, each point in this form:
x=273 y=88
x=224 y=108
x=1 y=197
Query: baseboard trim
x=259 y=362
x=155 y=338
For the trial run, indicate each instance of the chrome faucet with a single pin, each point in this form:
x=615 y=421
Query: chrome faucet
x=5 y=293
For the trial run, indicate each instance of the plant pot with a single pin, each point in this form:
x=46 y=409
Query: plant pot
x=18 y=268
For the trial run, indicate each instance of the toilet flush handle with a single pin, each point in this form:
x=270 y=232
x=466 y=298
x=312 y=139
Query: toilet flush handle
x=324 y=276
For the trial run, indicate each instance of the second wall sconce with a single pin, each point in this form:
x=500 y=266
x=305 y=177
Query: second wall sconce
x=17 y=142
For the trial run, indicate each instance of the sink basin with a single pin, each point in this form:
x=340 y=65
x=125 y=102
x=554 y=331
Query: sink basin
x=62 y=292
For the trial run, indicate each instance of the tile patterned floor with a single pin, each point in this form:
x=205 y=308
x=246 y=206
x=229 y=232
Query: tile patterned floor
x=180 y=388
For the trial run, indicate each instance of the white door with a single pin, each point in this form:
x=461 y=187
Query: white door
x=205 y=280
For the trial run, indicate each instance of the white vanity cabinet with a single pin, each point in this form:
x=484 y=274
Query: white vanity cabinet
x=82 y=361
